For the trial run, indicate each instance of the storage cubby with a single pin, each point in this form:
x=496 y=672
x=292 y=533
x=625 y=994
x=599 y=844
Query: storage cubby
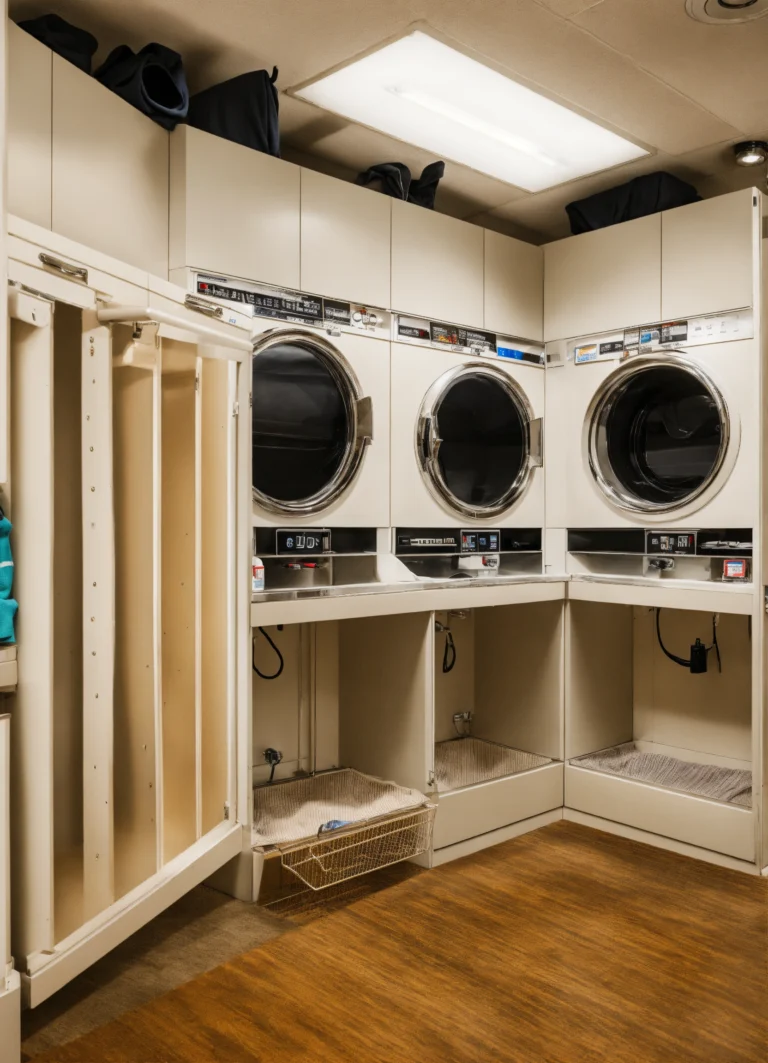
x=650 y=744
x=351 y=695
x=498 y=722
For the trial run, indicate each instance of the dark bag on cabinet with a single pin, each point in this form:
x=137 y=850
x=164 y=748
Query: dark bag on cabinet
x=68 y=41
x=244 y=109
x=394 y=179
x=152 y=80
x=637 y=198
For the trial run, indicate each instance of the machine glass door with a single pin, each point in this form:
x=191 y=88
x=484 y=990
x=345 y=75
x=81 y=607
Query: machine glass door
x=476 y=440
x=658 y=433
x=310 y=422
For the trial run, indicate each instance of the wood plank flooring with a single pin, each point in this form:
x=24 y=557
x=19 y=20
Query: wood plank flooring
x=562 y=946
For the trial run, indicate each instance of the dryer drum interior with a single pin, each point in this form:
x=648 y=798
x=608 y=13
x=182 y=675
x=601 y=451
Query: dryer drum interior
x=658 y=434
x=309 y=420
x=473 y=440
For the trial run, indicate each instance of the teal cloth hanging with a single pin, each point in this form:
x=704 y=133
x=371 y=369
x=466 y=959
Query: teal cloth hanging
x=8 y=606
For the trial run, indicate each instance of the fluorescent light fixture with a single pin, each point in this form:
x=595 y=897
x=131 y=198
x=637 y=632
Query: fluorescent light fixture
x=426 y=93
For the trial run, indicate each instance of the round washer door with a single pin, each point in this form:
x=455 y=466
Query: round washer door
x=658 y=434
x=473 y=440
x=310 y=423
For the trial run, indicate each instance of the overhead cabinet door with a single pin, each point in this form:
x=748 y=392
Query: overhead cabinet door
x=110 y=172
x=233 y=210
x=514 y=286
x=437 y=265
x=603 y=280
x=707 y=255
x=345 y=240
x=30 y=66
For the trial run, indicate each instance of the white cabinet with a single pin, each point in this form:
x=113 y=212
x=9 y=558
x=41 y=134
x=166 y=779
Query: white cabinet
x=514 y=286
x=110 y=172
x=30 y=66
x=345 y=240
x=437 y=265
x=233 y=210
x=707 y=255
x=603 y=280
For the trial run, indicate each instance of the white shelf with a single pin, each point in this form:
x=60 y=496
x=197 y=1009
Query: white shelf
x=423 y=598
x=666 y=594
x=684 y=817
x=476 y=810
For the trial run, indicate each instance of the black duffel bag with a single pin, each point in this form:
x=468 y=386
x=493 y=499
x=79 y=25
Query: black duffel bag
x=637 y=198
x=68 y=41
x=152 y=80
x=243 y=109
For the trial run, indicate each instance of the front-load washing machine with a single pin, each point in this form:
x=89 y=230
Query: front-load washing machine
x=466 y=441
x=320 y=420
x=656 y=431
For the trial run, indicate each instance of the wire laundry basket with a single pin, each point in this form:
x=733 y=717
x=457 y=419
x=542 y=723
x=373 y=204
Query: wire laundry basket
x=368 y=847
x=358 y=824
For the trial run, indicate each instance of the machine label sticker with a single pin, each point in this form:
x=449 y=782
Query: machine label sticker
x=289 y=306
x=674 y=333
x=533 y=357
x=587 y=353
x=447 y=334
x=736 y=568
x=650 y=336
x=480 y=542
x=413 y=332
x=475 y=338
x=340 y=313
x=611 y=347
x=670 y=543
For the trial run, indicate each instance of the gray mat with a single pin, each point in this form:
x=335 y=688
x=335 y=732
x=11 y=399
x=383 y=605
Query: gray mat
x=730 y=785
x=468 y=761
x=294 y=810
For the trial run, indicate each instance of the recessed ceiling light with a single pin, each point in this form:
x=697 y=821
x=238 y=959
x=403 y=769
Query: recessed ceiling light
x=426 y=93
x=751 y=152
x=725 y=12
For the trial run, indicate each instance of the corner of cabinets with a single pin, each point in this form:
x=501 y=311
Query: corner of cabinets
x=603 y=280
x=513 y=286
x=109 y=172
x=346 y=235
x=708 y=255
x=29 y=130
x=233 y=210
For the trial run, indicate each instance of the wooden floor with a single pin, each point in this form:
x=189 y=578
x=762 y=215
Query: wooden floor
x=563 y=946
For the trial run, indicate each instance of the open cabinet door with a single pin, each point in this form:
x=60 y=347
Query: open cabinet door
x=123 y=496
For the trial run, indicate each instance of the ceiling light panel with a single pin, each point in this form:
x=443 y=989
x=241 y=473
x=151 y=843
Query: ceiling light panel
x=426 y=93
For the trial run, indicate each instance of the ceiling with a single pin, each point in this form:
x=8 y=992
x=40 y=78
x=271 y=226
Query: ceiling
x=643 y=67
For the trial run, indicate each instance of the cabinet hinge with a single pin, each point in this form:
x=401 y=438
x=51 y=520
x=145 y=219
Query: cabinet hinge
x=235 y=409
x=197 y=382
x=431 y=780
x=226 y=810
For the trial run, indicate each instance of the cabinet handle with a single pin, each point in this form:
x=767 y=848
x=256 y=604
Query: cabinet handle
x=67 y=268
x=202 y=307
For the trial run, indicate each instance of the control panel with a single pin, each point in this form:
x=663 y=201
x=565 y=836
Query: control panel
x=294 y=307
x=466 y=541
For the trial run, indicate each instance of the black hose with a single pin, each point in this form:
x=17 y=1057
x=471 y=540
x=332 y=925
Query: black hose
x=280 y=666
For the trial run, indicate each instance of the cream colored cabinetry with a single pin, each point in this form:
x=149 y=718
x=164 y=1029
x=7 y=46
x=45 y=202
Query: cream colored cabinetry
x=707 y=255
x=110 y=172
x=603 y=280
x=513 y=286
x=437 y=265
x=233 y=210
x=30 y=67
x=345 y=240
